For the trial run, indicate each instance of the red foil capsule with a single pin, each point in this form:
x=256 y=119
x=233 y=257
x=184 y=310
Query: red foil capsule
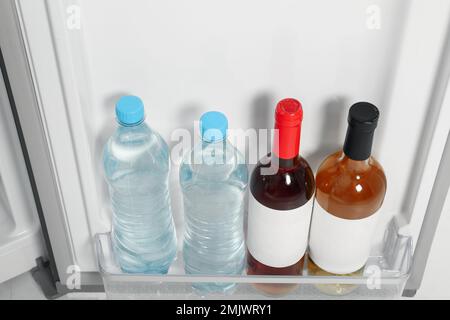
x=288 y=123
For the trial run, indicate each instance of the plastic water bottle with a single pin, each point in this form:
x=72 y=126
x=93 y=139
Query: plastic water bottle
x=213 y=179
x=136 y=163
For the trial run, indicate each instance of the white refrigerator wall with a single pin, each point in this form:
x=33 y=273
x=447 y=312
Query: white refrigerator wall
x=184 y=58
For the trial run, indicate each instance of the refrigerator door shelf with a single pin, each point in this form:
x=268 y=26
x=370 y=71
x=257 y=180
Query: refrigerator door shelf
x=384 y=277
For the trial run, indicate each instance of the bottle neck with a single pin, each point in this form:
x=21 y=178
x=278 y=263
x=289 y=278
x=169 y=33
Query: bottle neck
x=354 y=165
x=358 y=143
x=284 y=163
x=286 y=143
x=214 y=143
x=213 y=152
x=127 y=125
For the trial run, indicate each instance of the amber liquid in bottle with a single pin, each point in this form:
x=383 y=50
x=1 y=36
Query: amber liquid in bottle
x=350 y=189
x=350 y=185
x=289 y=188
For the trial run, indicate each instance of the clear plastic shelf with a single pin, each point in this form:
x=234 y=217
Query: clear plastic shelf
x=384 y=277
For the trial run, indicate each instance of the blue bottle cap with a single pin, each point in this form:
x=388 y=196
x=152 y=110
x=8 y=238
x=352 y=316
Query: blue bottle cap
x=129 y=110
x=213 y=126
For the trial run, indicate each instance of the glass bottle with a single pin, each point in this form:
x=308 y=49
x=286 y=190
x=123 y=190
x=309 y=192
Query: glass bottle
x=350 y=189
x=280 y=202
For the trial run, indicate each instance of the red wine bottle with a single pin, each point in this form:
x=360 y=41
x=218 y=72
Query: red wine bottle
x=280 y=203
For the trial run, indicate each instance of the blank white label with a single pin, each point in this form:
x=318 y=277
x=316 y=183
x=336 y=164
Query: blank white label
x=277 y=238
x=339 y=245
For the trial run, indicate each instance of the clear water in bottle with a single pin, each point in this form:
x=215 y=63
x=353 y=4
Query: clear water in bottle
x=136 y=164
x=213 y=179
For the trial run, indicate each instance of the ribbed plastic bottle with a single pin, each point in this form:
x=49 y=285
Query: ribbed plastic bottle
x=213 y=179
x=136 y=164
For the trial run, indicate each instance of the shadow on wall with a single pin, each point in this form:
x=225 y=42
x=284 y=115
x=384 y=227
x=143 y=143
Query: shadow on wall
x=263 y=107
x=334 y=122
x=187 y=115
x=262 y=111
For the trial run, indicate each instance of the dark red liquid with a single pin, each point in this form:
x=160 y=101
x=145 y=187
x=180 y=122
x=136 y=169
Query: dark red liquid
x=291 y=187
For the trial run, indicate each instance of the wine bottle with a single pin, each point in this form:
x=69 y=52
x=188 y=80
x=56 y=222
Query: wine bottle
x=280 y=203
x=350 y=188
